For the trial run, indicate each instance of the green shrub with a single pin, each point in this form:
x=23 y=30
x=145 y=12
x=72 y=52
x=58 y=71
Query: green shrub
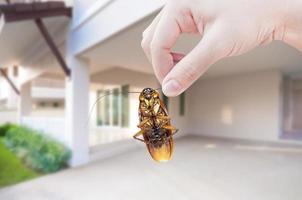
x=5 y=127
x=38 y=150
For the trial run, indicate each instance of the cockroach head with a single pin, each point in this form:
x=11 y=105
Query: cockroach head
x=148 y=94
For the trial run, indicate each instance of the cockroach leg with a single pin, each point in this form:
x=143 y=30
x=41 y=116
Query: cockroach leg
x=143 y=122
x=163 y=117
x=171 y=128
x=136 y=136
x=163 y=120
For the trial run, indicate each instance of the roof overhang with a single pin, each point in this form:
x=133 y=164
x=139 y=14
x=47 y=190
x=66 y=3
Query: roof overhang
x=21 y=42
x=29 y=11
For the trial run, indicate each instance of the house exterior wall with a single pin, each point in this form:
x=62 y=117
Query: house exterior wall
x=240 y=106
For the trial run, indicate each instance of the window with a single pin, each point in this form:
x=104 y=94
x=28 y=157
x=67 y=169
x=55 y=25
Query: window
x=125 y=106
x=56 y=104
x=292 y=110
x=100 y=110
x=113 y=109
x=107 y=108
x=182 y=104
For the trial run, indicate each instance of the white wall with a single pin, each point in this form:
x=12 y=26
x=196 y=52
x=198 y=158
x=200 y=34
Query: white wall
x=4 y=90
x=240 y=106
x=178 y=121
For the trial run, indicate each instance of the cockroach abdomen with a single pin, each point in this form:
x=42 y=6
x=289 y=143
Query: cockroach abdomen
x=160 y=144
x=162 y=153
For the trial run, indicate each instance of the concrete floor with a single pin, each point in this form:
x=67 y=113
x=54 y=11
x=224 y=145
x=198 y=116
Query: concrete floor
x=207 y=169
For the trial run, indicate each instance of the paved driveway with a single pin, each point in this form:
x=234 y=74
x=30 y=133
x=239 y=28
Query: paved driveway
x=204 y=169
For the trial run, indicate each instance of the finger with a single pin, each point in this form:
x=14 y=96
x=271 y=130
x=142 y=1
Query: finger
x=148 y=35
x=193 y=65
x=165 y=36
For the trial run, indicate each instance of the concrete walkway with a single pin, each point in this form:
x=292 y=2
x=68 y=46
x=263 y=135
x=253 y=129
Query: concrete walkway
x=204 y=169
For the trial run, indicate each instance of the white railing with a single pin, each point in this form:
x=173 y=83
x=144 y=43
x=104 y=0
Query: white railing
x=50 y=93
x=54 y=127
x=48 y=83
x=104 y=135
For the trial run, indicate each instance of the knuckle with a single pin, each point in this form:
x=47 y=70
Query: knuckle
x=184 y=10
x=226 y=48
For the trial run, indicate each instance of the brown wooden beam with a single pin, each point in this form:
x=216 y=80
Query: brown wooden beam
x=13 y=17
x=52 y=46
x=29 y=11
x=10 y=82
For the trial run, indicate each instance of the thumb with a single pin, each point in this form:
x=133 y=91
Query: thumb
x=193 y=65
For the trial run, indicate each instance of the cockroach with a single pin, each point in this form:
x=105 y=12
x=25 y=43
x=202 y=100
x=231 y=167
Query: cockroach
x=155 y=126
x=156 y=129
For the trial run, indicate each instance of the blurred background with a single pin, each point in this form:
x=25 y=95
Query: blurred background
x=240 y=124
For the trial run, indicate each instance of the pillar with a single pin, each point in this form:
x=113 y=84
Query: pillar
x=12 y=97
x=25 y=101
x=76 y=113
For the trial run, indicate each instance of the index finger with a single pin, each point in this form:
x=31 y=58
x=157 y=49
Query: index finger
x=165 y=36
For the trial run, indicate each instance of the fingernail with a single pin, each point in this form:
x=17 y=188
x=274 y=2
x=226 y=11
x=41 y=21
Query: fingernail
x=171 y=88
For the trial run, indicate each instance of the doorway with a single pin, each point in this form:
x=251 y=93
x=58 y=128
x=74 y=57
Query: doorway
x=293 y=107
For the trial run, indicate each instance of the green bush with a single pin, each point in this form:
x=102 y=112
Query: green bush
x=5 y=127
x=37 y=150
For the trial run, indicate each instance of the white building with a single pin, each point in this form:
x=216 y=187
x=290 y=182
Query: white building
x=255 y=96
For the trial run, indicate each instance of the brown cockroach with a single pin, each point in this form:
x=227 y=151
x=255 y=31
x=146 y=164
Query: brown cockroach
x=156 y=129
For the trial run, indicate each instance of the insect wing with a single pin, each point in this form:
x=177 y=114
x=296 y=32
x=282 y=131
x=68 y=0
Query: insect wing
x=163 y=152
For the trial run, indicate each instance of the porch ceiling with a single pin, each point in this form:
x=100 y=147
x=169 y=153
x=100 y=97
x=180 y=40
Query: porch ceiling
x=124 y=50
x=21 y=42
x=121 y=76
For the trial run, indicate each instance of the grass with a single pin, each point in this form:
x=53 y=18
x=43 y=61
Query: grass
x=12 y=170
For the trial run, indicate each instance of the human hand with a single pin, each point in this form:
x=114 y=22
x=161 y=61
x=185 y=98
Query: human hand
x=228 y=28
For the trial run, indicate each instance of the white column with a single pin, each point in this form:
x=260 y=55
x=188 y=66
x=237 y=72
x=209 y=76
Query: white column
x=12 y=98
x=77 y=106
x=25 y=101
